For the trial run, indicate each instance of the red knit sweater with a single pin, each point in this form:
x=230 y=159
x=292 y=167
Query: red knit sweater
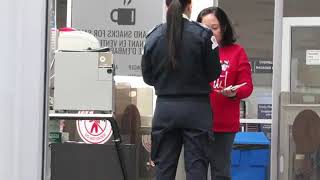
x=235 y=70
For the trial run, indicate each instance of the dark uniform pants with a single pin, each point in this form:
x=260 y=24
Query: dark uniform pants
x=220 y=156
x=177 y=122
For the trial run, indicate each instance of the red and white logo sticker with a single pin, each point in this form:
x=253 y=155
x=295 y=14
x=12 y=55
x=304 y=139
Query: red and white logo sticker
x=94 y=131
x=146 y=142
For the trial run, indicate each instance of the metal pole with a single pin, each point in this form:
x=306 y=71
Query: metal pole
x=276 y=86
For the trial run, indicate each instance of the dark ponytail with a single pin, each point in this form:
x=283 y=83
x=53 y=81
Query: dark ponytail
x=175 y=28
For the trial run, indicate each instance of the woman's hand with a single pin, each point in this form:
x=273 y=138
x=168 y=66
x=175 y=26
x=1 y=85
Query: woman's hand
x=229 y=92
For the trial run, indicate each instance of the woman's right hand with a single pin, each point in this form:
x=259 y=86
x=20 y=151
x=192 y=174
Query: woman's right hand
x=228 y=92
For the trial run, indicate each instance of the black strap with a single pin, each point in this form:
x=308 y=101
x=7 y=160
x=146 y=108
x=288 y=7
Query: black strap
x=117 y=142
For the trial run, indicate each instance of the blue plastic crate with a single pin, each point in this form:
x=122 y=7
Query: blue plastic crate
x=250 y=156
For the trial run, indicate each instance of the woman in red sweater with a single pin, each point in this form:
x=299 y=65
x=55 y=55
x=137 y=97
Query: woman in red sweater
x=234 y=84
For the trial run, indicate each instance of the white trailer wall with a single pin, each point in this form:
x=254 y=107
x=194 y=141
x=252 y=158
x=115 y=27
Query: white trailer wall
x=22 y=58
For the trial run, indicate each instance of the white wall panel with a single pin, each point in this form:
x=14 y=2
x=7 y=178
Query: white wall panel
x=198 y=5
x=22 y=51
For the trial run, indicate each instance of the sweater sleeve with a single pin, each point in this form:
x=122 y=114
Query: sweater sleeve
x=244 y=76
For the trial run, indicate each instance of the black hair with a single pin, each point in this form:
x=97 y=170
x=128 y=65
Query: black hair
x=175 y=28
x=228 y=34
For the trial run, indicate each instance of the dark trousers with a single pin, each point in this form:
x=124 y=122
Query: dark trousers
x=220 y=156
x=180 y=122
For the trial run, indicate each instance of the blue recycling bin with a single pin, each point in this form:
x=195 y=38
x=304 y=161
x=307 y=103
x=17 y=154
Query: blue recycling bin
x=250 y=156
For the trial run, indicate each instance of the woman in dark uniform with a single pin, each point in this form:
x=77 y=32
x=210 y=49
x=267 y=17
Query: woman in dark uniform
x=180 y=60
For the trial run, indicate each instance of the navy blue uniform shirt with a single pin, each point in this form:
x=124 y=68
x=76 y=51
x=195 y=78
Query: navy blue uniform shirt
x=197 y=65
